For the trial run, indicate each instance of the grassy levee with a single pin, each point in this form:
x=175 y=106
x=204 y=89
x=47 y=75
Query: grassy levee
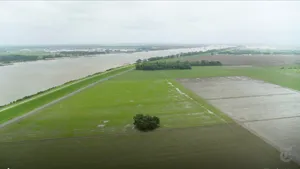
x=25 y=106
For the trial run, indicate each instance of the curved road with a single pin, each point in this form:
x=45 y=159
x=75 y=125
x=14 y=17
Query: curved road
x=60 y=99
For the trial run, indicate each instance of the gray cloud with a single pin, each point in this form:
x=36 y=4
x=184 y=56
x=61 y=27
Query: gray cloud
x=55 y=22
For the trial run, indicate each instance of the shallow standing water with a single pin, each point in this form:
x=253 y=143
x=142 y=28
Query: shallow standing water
x=23 y=79
x=267 y=110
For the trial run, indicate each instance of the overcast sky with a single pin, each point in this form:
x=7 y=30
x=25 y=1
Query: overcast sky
x=79 y=22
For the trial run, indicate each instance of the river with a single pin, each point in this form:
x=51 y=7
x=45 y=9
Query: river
x=27 y=78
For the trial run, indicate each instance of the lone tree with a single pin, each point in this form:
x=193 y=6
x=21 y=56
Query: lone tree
x=139 y=61
x=146 y=122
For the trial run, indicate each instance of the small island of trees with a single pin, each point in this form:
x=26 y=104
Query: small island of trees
x=163 y=65
x=146 y=122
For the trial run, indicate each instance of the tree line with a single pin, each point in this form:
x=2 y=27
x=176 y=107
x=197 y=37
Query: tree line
x=17 y=58
x=25 y=58
x=177 y=55
x=205 y=63
x=164 y=65
x=8 y=58
x=259 y=52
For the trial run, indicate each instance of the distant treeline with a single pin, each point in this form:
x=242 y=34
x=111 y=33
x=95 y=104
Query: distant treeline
x=206 y=63
x=17 y=58
x=25 y=58
x=258 y=52
x=10 y=58
x=177 y=55
x=164 y=65
x=81 y=53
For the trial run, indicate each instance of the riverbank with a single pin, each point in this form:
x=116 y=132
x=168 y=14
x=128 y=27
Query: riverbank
x=27 y=78
x=21 y=107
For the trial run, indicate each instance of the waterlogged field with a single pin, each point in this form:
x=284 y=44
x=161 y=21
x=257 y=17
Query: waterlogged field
x=93 y=129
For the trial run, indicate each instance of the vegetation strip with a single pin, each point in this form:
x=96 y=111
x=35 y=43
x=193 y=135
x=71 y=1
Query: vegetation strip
x=28 y=105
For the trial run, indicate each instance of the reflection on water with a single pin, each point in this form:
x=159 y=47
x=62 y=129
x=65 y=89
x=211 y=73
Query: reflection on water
x=23 y=79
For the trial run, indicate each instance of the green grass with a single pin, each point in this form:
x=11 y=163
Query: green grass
x=115 y=101
x=289 y=70
x=218 y=146
x=120 y=98
x=66 y=135
x=43 y=99
x=268 y=74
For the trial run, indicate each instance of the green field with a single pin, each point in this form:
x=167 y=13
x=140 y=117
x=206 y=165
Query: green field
x=290 y=69
x=22 y=107
x=193 y=134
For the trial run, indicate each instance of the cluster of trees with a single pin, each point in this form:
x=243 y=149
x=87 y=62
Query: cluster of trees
x=206 y=63
x=162 y=57
x=145 y=122
x=193 y=53
x=178 y=55
x=163 y=65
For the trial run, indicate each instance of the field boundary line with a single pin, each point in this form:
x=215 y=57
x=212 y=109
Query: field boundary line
x=60 y=99
x=189 y=97
x=240 y=97
x=270 y=119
